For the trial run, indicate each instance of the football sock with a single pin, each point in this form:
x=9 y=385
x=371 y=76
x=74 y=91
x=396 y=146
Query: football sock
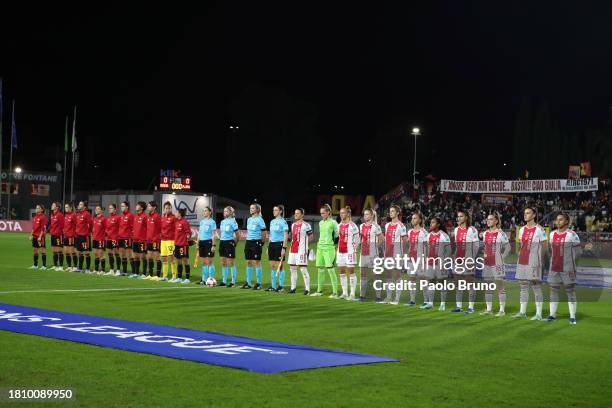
x=334 y=280
x=353 y=283
x=249 y=273
x=258 y=274
x=224 y=274
x=320 y=280
x=281 y=278
x=293 y=270
x=343 y=284
x=306 y=277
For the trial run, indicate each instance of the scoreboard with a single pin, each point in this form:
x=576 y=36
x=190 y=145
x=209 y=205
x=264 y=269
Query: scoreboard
x=173 y=180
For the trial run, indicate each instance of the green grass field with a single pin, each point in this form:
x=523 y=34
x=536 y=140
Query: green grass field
x=447 y=360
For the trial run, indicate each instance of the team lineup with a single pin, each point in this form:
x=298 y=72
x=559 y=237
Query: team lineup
x=156 y=247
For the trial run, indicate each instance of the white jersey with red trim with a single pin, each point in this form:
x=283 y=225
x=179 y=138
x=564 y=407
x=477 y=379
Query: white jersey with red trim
x=496 y=247
x=417 y=240
x=531 y=239
x=348 y=238
x=393 y=238
x=438 y=245
x=565 y=247
x=466 y=242
x=369 y=233
x=299 y=237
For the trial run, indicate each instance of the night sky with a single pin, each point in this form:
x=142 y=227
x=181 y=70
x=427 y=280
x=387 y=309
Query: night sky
x=316 y=91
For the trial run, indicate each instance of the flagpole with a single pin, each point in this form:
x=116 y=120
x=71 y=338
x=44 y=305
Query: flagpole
x=73 y=150
x=10 y=169
x=1 y=146
x=65 y=158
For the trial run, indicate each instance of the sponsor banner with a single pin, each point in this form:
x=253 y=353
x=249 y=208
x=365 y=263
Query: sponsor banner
x=185 y=344
x=496 y=199
x=520 y=186
x=193 y=204
x=15 y=226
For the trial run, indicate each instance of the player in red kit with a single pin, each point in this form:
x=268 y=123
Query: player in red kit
x=39 y=227
x=153 y=240
x=69 y=237
x=126 y=225
x=84 y=225
x=182 y=236
x=112 y=240
x=56 y=229
x=99 y=241
x=139 y=245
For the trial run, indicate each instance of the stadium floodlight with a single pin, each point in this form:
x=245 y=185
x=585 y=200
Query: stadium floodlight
x=231 y=127
x=416 y=131
x=18 y=170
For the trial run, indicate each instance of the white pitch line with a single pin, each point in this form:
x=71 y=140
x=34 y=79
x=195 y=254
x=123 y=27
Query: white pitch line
x=92 y=290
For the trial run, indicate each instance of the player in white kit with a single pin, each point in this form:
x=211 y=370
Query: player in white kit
x=532 y=238
x=346 y=255
x=466 y=248
x=417 y=239
x=438 y=249
x=301 y=236
x=395 y=243
x=496 y=247
x=372 y=242
x=565 y=248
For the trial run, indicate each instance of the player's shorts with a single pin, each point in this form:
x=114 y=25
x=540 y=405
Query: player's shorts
x=346 y=259
x=83 y=244
x=56 y=240
x=252 y=249
x=298 y=258
x=274 y=251
x=98 y=244
x=367 y=261
x=38 y=244
x=325 y=257
x=69 y=241
x=434 y=272
x=125 y=243
x=166 y=247
x=153 y=246
x=462 y=270
x=139 y=247
x=205 y=249
x=227 y=249
x=558 y=278
x=530 y=273
x=112 y=244
x=181 y=251
x=493 y=272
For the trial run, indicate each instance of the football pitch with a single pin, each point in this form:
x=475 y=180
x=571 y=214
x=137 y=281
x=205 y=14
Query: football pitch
x=446 y=359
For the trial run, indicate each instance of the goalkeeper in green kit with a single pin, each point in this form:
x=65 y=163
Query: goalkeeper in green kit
x=326 y=251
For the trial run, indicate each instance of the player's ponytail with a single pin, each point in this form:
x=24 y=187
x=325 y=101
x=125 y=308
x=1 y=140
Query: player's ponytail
x=348 y=211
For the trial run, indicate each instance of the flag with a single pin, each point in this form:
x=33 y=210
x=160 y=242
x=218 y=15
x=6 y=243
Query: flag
x=13 y=130
x=74 y=141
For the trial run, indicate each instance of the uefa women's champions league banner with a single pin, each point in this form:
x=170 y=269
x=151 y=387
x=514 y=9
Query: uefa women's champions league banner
x=520 y=186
